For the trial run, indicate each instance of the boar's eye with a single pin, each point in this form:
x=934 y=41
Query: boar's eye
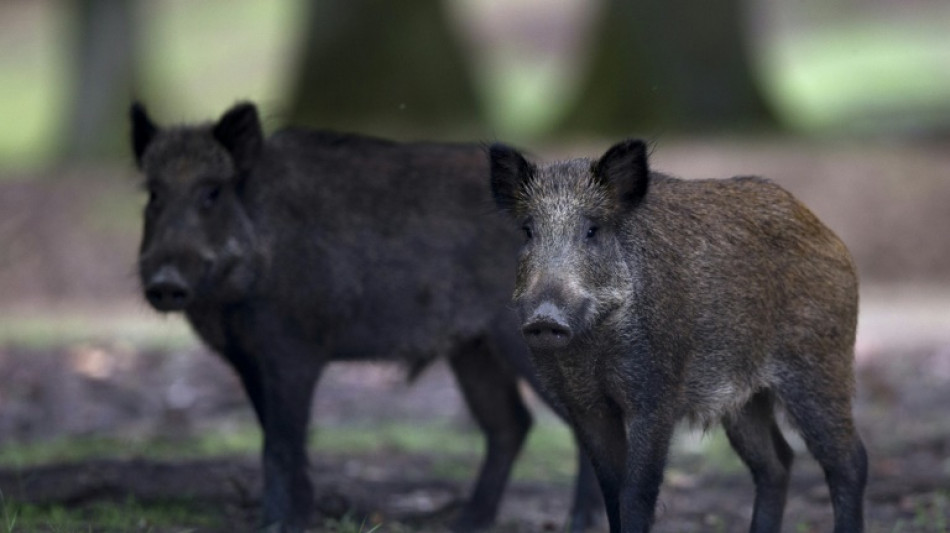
x=528 y=234
x=592 y=232
x=208 y=196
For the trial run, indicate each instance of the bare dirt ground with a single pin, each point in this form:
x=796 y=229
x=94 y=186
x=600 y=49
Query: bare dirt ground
x=67 y=250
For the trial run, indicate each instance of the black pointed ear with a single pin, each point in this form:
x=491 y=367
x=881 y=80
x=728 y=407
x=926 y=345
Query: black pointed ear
x=239 y=130
x=143 y=131
x=510 y=172
x=624 y=169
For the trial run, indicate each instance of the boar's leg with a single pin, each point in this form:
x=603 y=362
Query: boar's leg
x=289 y=373
x=491 y=392
x=600 y=430
x=822 y=414
x=249 y=371
x=628 y=446
x=757 y=439
x=587 y=510
x=648 y=434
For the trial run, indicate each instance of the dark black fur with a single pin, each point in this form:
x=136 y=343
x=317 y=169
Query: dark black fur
x=308 y=247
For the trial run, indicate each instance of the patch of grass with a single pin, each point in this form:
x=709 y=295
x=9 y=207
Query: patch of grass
x=803 y=527
x=348 y=524
x=238 y=442
x=452 y=449
x=400 y=437
x=107 y=516
x=141 y=329
x=8 y=514
x=550 y=454
x=932 y=514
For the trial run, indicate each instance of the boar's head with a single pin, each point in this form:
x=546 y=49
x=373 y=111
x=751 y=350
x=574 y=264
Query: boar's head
x=573 y=271
x=198 y=243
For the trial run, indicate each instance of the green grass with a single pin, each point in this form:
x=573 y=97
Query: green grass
x=549 y=454
x=548 y=457
x=348 y=524
x=933 y=515
x=134 y=329
x=213 y=444
x=105 y=516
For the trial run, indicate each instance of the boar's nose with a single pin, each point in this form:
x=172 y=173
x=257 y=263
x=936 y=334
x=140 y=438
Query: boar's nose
x=546 y=328
x=167 y=290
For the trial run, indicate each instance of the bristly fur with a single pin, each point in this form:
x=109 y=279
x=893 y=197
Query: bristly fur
x=704 y=300
x=289 y=252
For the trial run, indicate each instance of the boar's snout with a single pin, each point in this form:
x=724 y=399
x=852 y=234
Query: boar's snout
x=546 y=328
x=167 y=289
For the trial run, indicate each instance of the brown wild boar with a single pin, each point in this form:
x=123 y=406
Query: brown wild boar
x=647 y=299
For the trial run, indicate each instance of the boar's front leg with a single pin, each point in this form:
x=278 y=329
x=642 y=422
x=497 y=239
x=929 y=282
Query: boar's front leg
x=648 y=443
x=628 y=448
x=289 y=372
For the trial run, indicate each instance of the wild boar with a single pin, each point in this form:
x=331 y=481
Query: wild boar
x=646 y=299
x=289 y=252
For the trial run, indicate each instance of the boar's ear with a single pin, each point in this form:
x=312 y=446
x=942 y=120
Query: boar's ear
x=239 y=130
x=624 y=168
x=510 y=172
x=143 y=131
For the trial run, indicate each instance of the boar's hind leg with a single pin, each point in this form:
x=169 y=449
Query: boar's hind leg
x=757 y=439
x=822 y=414
x=491 y=392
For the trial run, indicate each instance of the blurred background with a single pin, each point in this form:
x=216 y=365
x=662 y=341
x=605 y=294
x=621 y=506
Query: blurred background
x=522 y=70
x=844 y=102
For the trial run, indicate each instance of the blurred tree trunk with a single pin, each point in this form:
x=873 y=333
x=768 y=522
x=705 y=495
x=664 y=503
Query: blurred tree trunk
x=384 y=67
x=663 y=65
x=103 y=63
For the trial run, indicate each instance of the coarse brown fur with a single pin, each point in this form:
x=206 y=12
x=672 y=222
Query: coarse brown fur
x=647 y=299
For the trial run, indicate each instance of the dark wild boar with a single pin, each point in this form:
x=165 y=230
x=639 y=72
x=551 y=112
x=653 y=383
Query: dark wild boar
x=289 y=252
x=647 y=299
